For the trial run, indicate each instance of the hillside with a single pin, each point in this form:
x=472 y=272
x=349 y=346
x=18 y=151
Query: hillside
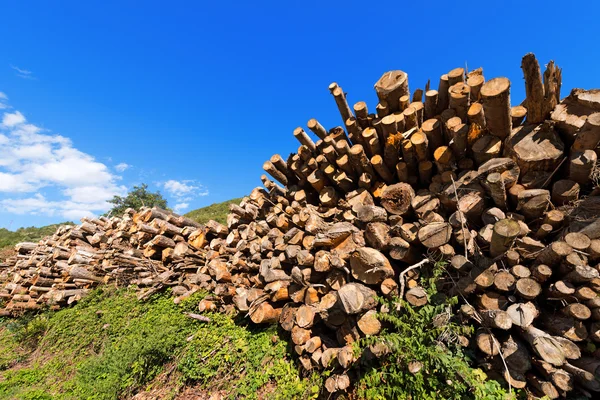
x=31 y=234
x=217 y=212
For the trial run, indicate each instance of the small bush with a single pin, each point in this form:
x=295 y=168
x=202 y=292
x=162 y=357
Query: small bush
x=424 y=336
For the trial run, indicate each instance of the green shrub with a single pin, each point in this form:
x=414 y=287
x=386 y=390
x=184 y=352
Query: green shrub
x=424 y=336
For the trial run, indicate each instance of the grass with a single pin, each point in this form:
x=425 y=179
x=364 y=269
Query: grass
x=217 y=212
x=112 y=346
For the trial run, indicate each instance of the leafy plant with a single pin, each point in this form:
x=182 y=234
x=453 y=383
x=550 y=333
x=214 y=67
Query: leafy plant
x=424 y=340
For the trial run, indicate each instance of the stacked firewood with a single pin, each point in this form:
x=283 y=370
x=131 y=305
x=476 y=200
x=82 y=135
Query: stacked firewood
x=453 y=174
x=151 y=249
x=506 y=196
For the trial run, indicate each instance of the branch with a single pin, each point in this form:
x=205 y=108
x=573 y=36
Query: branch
x=402 y=281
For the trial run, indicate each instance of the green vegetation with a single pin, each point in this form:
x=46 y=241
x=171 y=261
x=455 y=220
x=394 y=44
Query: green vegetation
x=137 y=197
x=425 y=337
x=112 y=346
x=31 y=234
x=217 y=212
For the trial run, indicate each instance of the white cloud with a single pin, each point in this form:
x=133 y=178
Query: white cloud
x=183 y=192
x=122 y=167
x=3 y=96
x=179 y=207
x=10 y=120
x=14 y=183
x=178 y=188
x=32 y=160
x=20 y=70
x=23 y=73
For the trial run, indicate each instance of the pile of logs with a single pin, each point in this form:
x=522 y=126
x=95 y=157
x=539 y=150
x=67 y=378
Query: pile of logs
x=505 y=195
x=151 y=249
x=454 y=174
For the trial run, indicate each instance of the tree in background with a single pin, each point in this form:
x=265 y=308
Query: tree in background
x=137 y=197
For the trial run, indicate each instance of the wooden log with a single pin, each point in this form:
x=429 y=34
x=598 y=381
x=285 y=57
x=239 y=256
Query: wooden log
x=582 y=274
x=517 y=115
x=497 y=319
x=577 y=310
x=495 y=96
x=370 y=266
x=533 y=203
x=588 y=137
x=543 y=387
x=581 y=166
x=582 y=376
x=356 y=298
x=420 y=144
x=433 y=131
x=522 y=314
x=369 y=324
x=578 y=241
x=340 y=100
x=535 y=148
x=504 y=281
x=475 y=82
x=299 y=335
x=552 y=349
x=534 y=90
x=431 y=100
x=390 y=87
x=487 y=343
x=564 y=191
x=362 y=114
x=377 y=235
x=475 y=115
x=486 y=148
x=317 y=128
x=459 y=99
x=435 y=234
x=416 y=296
x=337 y=383
x=528 y=288
x=396 y=199
x=372 y=213
x=503 y=236
x=382 y=170
x=455 y=76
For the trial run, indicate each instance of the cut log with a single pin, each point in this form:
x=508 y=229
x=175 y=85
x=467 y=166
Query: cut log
x=504 y=233
x=495 y=95
x=535 y=148
x=369 y=324
x=522 y=314
x=264 y=313
x=390 y=87
x=528 y=288
x=396 y=199
x=435 y=234
x=356 y=298
x=370 y=266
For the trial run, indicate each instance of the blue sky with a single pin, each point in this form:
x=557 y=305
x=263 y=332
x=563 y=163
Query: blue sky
x=192 y=97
